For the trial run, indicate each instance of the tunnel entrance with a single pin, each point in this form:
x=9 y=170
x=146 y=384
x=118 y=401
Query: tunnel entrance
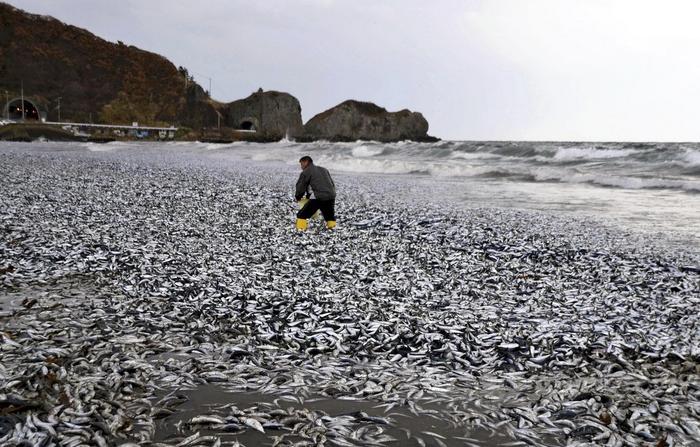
x=14 y=109
x=247 y=125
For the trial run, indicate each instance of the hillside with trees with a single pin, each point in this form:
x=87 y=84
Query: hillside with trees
x=97 y=80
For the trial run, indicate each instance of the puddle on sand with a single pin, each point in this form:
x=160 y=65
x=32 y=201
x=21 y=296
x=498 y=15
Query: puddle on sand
x=214 y=400
x=68 y=291
x=9 y=301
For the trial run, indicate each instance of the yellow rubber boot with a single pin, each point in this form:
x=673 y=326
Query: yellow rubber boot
x=302 y=224
x=330 y=224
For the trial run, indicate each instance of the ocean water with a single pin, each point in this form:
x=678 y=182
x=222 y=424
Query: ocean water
x=649 y=188
x=653 y=188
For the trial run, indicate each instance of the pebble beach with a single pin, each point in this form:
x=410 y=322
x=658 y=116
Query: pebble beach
x=155 y=297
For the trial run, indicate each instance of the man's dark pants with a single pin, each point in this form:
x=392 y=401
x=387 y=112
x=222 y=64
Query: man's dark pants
x=327 y=208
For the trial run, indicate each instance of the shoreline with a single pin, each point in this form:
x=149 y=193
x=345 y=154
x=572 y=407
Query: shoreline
x=33 y=132
x=535 y=327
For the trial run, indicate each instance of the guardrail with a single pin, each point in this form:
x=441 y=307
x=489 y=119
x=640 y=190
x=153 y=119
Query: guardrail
x=110 y=126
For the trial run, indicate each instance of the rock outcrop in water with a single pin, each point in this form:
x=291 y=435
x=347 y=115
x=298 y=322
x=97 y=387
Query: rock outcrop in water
x=274 y=115
x=356 y=120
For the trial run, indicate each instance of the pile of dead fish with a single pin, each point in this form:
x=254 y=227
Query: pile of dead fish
x=130 y=283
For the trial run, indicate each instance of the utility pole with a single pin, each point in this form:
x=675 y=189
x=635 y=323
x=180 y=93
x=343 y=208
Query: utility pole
x=262 y=109
x=59 y=108
x=7 y=106
x=22 y=89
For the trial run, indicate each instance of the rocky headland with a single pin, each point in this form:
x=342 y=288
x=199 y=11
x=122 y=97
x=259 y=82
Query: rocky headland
x=273 y=115
x=355 y=120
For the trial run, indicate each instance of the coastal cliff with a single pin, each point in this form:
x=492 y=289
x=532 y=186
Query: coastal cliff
x=356 y=120
x=96 y=80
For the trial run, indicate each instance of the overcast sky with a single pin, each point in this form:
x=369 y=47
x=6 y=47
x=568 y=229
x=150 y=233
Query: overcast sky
x=491 y=69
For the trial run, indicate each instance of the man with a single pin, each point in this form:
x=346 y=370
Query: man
x=321 y=183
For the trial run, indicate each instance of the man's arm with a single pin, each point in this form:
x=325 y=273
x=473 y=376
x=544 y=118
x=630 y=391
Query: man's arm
x=330 y=178
x=302 y=185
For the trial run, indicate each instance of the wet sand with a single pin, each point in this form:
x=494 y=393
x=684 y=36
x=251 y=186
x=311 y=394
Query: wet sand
x=401 y=424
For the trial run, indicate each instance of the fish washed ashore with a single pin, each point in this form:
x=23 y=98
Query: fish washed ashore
x=156 y=298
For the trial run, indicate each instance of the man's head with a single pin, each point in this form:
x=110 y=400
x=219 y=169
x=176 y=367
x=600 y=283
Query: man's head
x=305 y=161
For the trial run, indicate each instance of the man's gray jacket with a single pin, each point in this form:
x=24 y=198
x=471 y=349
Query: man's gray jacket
x=320 y=181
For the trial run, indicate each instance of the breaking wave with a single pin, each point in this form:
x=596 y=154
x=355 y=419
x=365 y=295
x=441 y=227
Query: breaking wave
x=512 y=173
x=366 y=151
x=635 y=166
x=618 y=181
x=615 y=165
x=692 y=157
x=587 y=153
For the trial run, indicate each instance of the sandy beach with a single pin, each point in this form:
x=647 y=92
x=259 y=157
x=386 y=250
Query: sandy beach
x=161 y=298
